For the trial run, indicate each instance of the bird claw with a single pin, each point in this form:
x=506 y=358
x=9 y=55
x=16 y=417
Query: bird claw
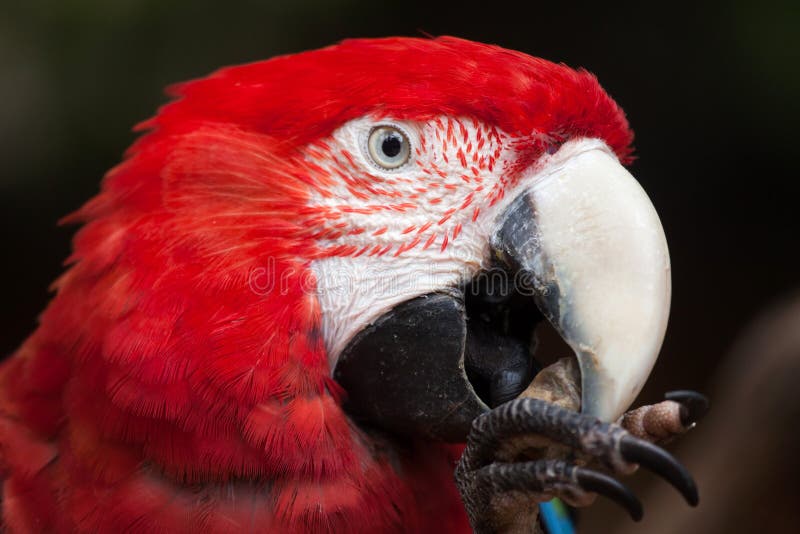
x=489 y=482
x=505 y=490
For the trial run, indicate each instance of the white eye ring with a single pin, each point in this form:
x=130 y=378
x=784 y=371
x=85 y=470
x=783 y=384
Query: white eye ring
x=388 y=146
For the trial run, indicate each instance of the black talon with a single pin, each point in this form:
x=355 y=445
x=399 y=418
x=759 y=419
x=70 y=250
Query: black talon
x=662 y=463
x=537 y=476
x=693 y=405
x=611 y=488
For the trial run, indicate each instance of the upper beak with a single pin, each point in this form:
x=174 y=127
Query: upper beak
x=586 y=238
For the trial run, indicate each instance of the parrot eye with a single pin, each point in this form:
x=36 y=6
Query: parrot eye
x=388 y=147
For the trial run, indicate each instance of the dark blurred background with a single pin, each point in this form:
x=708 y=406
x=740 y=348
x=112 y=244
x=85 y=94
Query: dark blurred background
x=711 y=89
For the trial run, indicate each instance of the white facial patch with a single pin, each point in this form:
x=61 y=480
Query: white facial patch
x=398 y=234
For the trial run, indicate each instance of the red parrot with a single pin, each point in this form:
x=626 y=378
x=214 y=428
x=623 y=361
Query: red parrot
x=272 y=319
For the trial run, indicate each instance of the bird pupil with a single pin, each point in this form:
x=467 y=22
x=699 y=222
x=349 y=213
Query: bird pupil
x=392 y=144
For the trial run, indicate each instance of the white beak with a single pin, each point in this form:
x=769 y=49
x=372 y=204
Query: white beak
x=591 y=241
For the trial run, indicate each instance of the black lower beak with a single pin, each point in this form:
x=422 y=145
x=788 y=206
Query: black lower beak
x=405 y=372
x=431 y=365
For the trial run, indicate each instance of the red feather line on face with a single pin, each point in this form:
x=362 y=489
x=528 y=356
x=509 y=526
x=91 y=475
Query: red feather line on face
x=418 y=193
x=161 y=362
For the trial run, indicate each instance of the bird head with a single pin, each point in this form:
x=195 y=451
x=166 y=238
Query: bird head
x=395 y=214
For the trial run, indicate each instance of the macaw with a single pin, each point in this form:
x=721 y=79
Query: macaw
x=314 y=278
